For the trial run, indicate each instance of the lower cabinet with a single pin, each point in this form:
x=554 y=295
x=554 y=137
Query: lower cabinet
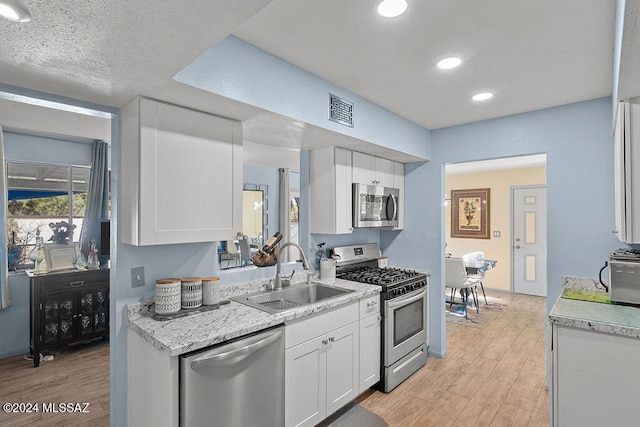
x=321 y=372
x=67 y=308
x=595 y=380
x=369 y=351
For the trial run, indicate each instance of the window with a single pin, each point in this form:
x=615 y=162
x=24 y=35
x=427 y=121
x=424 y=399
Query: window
x=40 y=194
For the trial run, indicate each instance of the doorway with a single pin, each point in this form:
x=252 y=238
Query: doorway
x=500 y=176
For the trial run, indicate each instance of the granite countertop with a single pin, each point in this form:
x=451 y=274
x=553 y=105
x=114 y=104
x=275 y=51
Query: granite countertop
x=231 y=320
x=608 y=318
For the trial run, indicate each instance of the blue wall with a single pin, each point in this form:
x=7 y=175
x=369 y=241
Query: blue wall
x=578 y=141
x=236 y=69
x=14 y=320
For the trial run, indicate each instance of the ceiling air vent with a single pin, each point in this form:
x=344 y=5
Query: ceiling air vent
x=340 y=111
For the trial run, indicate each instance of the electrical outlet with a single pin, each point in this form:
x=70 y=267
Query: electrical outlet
x=137 y=277
x=496 y=234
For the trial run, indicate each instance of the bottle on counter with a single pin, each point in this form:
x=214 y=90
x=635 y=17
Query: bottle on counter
x=272 y=242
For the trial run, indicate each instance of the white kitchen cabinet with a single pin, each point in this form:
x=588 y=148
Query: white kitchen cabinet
x=595 y=380
x=321 y=365
x=370 y=337
x=181 y=175
x=627 y=171
x=372 y=170
x=330 y=191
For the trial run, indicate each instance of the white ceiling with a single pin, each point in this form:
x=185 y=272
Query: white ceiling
x=532 y=54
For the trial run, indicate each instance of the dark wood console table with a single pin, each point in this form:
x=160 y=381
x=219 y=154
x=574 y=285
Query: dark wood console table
x=66 y=308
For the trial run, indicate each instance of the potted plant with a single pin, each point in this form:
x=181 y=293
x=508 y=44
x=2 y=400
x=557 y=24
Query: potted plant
x=62 y=232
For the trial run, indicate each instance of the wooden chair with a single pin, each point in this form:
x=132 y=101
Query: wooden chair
x=456 y=278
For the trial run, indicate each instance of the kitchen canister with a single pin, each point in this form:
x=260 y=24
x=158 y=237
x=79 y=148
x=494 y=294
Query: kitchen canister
x=191 y=292
x=210 y=290
x=327 y=268
x=168 y=294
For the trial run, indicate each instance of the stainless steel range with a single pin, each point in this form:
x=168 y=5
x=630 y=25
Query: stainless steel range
x=404 y=301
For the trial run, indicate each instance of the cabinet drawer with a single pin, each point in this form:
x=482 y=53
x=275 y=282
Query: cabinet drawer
x=71 y=281
x=313 y=326
x=369 y=305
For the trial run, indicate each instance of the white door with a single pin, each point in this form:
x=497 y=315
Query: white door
x=529 y=240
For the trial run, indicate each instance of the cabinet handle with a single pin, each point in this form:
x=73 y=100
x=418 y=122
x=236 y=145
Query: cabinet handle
x=372 y=303
x=325 y=342
x=76 y=284
x=332 y=339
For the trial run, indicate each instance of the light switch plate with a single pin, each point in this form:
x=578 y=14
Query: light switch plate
x=496 y=234
x=137 y=277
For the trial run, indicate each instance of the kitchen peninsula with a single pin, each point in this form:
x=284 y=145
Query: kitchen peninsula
x=595 y=349
x=155 y=347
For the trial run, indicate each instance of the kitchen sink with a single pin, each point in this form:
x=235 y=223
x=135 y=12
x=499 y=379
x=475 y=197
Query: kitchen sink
x=289 y=298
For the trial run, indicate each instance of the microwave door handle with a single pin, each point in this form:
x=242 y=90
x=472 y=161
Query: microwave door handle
x=395 y=206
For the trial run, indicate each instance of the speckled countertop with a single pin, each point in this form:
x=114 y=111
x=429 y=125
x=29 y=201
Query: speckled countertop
x=608 y=318
x=230 y=321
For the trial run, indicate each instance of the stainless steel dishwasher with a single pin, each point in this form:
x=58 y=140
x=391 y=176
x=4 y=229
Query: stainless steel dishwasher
x=235 y=384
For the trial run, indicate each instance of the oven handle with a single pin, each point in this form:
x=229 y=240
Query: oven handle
x=406 y=299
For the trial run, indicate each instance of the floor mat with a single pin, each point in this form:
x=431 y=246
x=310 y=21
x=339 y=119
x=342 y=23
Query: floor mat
x=354 y=415
x=488 y=312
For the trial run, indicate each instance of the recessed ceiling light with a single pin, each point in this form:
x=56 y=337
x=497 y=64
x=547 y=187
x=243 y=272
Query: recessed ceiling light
x=392 y=8
x=13 y=12
x=449 y=63
x=482 y=96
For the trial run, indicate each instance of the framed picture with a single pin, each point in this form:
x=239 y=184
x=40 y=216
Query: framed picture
x=470 y=213
x=61 y=257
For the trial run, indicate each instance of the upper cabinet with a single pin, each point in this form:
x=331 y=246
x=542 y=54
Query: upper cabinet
x=332 y=171
x=181 y=175
x=372 y=170
x=627 y=171
x=330 y=191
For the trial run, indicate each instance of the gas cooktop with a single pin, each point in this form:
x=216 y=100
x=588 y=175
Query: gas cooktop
x=379 y=276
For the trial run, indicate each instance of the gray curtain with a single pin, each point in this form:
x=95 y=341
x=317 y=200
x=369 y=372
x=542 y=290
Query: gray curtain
x=285 y=227
x=97 y=198
x=5 y=291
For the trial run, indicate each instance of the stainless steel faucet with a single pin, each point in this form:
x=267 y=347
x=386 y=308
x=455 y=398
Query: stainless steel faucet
x=278 y=280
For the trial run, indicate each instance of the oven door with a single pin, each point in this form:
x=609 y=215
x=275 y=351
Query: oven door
x=405 y=328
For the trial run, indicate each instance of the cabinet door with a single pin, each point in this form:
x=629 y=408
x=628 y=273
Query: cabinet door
x=363 y=168
x=92 y=312
x=342 y=366
x=305 y=383
x=383 y=172
x=182 y=175
x=369 y=352
x=330 y=191
x=58 y=314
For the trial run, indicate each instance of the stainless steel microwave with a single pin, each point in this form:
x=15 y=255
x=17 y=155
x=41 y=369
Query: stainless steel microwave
x=375 y=206
x=624 y=281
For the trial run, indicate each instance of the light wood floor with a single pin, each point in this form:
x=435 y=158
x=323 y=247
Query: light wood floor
x=78 y=375
x=493 y=376
x=490 y=377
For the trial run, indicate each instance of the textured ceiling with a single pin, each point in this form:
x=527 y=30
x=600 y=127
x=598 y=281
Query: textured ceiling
x=532 y=54
x=108 y=51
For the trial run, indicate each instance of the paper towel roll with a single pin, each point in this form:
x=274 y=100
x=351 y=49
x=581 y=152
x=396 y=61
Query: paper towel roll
x=327 y=268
